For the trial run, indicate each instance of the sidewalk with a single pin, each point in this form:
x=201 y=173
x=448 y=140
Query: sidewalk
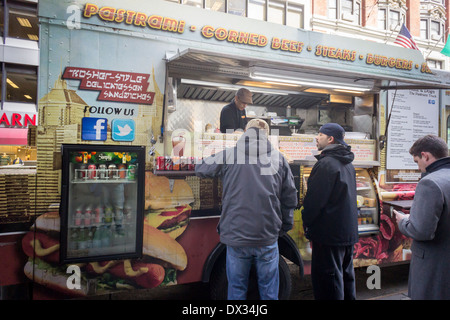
x=393 y=296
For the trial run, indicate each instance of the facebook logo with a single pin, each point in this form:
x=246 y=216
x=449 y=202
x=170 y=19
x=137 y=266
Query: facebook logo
x=94 y=128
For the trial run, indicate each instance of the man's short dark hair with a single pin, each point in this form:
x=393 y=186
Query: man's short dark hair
x=432 y=144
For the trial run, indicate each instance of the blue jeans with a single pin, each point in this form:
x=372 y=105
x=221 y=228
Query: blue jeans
x=239 y=262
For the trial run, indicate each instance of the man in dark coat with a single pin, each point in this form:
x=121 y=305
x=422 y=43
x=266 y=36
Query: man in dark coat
x=428 y=222
x=330 y=216
x=233 y=116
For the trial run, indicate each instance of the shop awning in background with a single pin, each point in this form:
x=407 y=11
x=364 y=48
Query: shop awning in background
x=13 y=136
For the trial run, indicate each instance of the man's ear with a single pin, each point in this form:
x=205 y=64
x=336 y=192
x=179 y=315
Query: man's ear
x=331 y=140
x=426 y=156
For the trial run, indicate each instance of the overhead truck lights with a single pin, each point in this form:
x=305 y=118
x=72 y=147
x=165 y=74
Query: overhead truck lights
x=305 y=82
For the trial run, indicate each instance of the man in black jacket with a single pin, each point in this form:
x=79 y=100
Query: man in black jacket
x=330 y=216
x=232 y=116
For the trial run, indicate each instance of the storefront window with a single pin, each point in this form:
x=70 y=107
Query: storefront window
x=23 y=21
x=215 y=5
x=21 y=84
x=237 y=7
x=257 y=9
x=276 y=12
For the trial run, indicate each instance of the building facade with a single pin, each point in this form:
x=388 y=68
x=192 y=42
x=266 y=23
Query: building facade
x=373 y=20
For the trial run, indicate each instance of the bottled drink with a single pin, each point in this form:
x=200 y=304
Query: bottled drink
x=102 y=171
x=112 y=171
x=131 y=172
x=122 y=171
x=87 y=216
x=118 y=236
x=98 y=214
x=82 y=239
x=106 y=236
x=89 y=237
x=78 y=217
x=97 y=239
x=108 y=214
x=73 y=239
x=91 y=171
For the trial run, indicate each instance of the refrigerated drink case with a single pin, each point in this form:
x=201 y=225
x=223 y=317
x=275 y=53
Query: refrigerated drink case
x=102 y=202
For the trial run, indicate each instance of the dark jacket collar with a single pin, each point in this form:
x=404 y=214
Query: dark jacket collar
x=338 y=151
x=437 y=165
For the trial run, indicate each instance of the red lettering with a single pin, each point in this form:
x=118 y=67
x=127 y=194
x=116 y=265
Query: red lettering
x=155 y=22
x=90 y=10
x=120 y=15
x=29 y=120
x=16 y=119
x=4 y=120
x=140 y=19
x=107 y=13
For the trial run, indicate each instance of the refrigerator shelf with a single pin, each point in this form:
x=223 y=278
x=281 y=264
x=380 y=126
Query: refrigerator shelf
x=103 y=181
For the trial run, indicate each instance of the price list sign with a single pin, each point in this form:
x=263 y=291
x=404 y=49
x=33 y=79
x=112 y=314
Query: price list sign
x=414 y=114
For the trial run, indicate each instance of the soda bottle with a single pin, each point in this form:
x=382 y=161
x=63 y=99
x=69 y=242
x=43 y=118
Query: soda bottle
x=131 y=172
x=89 y=236
x=87 y=216
x=82 y=239
x=106 y=236
x=108 y=214
x=98 y=214
x=97 y=240
x=73 y=239
x=118 y=236
x=78 y=217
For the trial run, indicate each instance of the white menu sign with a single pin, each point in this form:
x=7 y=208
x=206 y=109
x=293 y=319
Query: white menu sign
x=415 y=113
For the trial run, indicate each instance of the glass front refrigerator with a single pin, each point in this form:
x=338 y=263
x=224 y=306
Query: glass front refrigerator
x=102 y=202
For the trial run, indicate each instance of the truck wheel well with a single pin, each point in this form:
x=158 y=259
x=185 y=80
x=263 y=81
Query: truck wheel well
x=286 y=246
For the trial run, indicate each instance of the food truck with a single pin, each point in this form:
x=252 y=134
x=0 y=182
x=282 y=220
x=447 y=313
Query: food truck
x=130 y=95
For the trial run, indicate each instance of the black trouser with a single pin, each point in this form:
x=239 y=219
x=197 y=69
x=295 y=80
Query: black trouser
x=332 y=273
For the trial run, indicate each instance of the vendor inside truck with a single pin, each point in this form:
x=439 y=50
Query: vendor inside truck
x=233 y=116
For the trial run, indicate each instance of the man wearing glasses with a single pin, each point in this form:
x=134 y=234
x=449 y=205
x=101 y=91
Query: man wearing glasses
x=232 y=116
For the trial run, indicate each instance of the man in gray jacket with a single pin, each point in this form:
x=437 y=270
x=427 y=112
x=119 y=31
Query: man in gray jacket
x=259 y=197
x=428 y=223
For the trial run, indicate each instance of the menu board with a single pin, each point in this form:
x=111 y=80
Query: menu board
x=414 y=114
x=298 y=147
x=294 y=148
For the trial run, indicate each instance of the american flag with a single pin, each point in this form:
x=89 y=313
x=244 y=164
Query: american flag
x=405 y=39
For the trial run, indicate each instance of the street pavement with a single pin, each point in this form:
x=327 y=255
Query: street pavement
x=393 y=286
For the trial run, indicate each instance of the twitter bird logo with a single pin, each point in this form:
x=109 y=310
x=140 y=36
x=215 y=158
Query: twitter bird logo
x=122 y=130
